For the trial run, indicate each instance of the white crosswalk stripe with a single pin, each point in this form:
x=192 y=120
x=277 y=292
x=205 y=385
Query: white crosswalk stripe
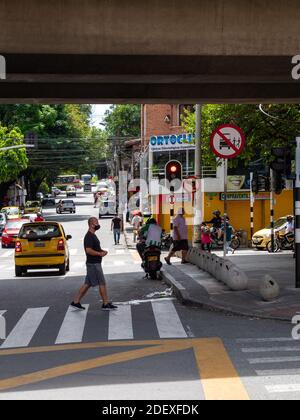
x=25 y=329
x=8 y=253
x=73 y=325
x=282 y=381
x=120 y=324
x=167 y=320
x=73 y=252
x=166 y=324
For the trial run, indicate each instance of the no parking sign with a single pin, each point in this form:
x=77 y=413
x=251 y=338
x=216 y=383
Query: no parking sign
x=227 y=141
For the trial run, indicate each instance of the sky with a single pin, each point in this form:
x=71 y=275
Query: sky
x=98 y=114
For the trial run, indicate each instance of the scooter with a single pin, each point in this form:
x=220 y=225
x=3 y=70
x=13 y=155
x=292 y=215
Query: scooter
x=219 y=244
x=151 y=263
x=166 y=241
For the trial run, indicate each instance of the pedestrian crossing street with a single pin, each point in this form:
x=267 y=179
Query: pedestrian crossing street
x=158 y=319
x=116 y=259
x=274 y=366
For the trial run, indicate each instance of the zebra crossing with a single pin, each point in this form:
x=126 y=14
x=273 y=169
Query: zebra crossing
x=122 y=324
x=276 y=366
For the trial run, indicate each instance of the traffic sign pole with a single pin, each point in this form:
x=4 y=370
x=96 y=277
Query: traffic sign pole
x=225 y=207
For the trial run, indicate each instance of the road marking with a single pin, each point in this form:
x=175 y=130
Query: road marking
x=219 y=378
x=280 y=389
x=116 y=263
x=136 y=256
x=25 y=329
x=8 y=253
x=72 y=328
x=265 y=340
x=278 y=372
x=120 y=324
x=270 y=349
x=273 y=360
x=77 y=265
x=120 y=252
x=217 y=373
x=167 y=320
x=73 y=252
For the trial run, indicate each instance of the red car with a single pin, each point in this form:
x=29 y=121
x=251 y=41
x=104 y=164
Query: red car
x=11 y=232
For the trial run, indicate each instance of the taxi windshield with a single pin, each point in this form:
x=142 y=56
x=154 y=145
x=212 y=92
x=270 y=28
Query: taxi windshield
x=12 y=211
x=40 y=231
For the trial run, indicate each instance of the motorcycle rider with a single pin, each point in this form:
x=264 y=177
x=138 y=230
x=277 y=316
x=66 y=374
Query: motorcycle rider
x=288 y=228
x=216 y=223
x=150 y=235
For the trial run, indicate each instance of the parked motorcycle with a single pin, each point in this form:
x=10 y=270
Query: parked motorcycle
x=166 y=241
x=151 y=263
x=219 y=244
x=282 y=242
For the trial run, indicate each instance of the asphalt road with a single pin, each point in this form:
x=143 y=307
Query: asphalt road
x=152 y=347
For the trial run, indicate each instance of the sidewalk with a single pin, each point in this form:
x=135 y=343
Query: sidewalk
x=196 y=287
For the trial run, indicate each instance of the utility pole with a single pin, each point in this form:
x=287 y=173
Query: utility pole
x=198 y=216
x=272 y=211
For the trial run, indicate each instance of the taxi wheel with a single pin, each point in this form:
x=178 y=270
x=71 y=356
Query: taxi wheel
x=62 y=269
x=18 y=271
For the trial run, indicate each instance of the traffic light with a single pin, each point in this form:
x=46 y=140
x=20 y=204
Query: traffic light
x=260 y=183
x=173 y=170
x=279 y=183
x=283 y=161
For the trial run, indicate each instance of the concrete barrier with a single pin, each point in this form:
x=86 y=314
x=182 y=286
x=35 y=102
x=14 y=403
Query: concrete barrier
x=269 y=289
x=237 y=279
x=222 y=269
x=227 y=265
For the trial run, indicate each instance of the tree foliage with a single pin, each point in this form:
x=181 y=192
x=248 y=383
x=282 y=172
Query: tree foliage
x=123 y=121
x=261 y=132
x=13 y=161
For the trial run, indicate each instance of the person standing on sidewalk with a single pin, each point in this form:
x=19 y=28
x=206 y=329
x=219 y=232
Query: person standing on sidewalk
x=95 y=276
x=116 y=228
x=180 y=237
x=228 y=232
x=205 y=238
x=137 y=222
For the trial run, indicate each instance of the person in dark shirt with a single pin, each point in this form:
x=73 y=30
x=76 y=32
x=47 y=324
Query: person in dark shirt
x=116 y=227
x=95 y=276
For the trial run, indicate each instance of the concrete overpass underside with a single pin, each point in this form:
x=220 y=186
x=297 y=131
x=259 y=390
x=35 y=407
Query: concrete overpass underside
x=150 y=51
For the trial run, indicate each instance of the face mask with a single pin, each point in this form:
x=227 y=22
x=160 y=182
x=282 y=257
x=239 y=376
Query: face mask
x=97 y=227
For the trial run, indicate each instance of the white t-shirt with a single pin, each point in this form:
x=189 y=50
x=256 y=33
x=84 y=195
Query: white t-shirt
x=136 y=222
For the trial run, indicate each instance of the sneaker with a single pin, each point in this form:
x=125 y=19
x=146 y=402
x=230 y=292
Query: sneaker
x=109 y=307
x=77 y=306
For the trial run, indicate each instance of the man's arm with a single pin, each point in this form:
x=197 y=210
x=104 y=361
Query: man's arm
x=94 y=253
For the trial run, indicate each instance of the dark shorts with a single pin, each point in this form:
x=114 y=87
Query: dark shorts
x=180 y=245
x=94 y=275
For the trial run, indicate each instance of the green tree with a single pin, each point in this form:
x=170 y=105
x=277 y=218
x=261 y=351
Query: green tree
x=261 y=132
x=123 y=121
x=14 y=161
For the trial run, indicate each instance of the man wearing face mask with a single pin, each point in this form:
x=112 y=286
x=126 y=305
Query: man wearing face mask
x=95 y=276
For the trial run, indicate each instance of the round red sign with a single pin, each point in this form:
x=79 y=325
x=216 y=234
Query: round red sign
x=227 y=141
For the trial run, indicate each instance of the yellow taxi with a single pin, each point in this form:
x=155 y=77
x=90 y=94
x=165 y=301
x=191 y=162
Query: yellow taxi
x=261 y=238
x=32 y=207
x=42 y=245
x=11 y=212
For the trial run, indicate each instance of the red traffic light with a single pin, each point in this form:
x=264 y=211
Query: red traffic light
x=173 y=170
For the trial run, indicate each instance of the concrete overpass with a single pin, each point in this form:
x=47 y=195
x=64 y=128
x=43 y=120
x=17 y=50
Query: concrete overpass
x=113 y=51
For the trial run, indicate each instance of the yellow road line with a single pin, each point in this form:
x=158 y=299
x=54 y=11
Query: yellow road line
x=82 y=366
x=136 y=256
x=219 y=378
